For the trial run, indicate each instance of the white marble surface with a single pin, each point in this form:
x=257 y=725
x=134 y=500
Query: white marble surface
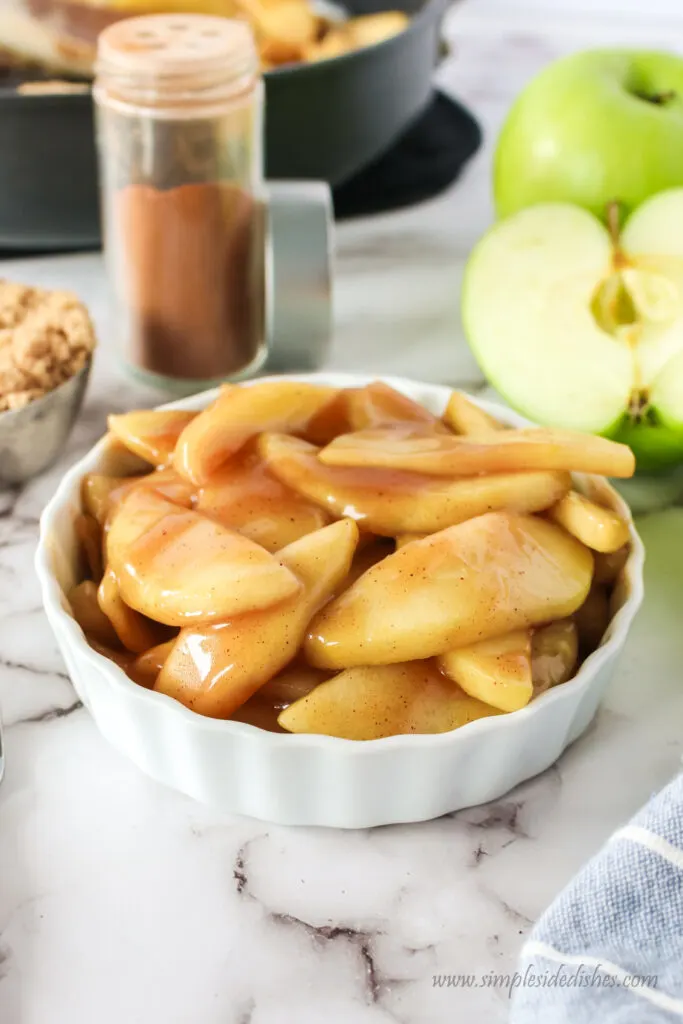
x=122 y=902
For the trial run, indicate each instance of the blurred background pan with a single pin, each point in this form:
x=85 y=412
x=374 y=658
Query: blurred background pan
x=324 y=121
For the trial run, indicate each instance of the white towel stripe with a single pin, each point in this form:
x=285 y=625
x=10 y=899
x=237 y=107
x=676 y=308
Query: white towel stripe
x=643 y=836
x=659 y=999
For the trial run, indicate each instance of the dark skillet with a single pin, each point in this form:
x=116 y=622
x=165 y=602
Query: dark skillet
x=324 y=121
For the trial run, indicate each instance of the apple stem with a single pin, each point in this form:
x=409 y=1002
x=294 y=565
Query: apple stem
x=613 y=222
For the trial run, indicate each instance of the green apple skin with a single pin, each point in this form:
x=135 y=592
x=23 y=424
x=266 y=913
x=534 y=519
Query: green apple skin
x=657 y=448
x=584 y=131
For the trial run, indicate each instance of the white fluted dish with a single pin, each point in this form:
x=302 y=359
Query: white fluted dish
x=321 y=780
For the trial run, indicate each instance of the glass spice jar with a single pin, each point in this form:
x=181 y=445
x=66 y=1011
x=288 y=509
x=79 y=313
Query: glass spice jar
x=179 y=107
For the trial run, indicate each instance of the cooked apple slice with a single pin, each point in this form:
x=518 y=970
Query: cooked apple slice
x=366 y=556
x=89 y=536
x=135 y=632
x=369 y=703
x=86 y=611
x=390 y=502
x=554 y=653
x=408 y=538
x=177 y=566
x=294 y=683
x=263 y=708
x=245 y=496
x=215 y=669
x=97 y=490
x=609 y=566
x=465 y=417
x=496 y=671
x=149 y=664
x=597 y=527
x=151 y=433
x=238 y=414
x=480 y=579
x=379 y=405
x=101 y=493
x=506 y=451
x=124 y=659
x=592 y=620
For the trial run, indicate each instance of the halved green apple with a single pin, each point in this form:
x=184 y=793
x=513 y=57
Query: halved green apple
x=581 y=328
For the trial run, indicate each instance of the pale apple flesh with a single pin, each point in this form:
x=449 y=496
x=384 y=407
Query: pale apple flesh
x=392 y=502
x=215 y=669
x=583 y=331
x=371 y=702
x=485 y=577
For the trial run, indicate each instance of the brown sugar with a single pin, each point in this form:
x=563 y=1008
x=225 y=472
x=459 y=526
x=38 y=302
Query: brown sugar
x=46 y=337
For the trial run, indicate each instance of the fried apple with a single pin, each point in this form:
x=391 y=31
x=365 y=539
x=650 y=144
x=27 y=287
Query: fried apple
x=366 y=556
x=480 y=579
x=369 y=703
x=294 y=683
x=149 y=664
x=238 y=414
x=496 y=671
x=89 y=536
x=597 y=527
x=369 y=29
x=151 y=433
x=246 y=497
x=100 y=494
x=86 y=611
x=177 y=566
x=608 y=566
x=408 y=538
x=97 y=490
x=136 y=633
x=592 y=619
x=263 y=708
x=390 y=502
x=380 y=405
x=554 y=654
x=465 y=417
x=506 y=451
x=215 y=669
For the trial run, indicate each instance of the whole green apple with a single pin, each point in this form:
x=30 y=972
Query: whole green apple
x=581 y=327
x=592 y=128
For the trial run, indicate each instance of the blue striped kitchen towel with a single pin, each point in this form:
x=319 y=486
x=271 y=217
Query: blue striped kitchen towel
x=610 y=948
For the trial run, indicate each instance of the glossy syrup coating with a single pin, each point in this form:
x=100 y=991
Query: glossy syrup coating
x=249 y=579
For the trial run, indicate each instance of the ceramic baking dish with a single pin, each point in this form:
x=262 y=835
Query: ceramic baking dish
x=321 y=780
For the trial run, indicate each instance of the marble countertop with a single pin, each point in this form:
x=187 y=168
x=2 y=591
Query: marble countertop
x=123 y=902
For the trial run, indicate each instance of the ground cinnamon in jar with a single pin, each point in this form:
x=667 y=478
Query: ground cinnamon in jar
x=188 y=259
x=179 y=123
